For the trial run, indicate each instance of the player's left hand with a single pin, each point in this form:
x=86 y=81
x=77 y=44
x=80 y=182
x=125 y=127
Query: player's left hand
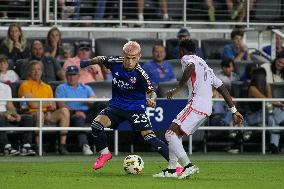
x=151 y=103
x=238 y=118
x=170 y=94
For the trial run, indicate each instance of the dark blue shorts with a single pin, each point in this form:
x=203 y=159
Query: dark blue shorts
x=137 y=119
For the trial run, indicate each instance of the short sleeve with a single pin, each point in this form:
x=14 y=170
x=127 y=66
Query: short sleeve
x=60 y=92
x=216 y=82
x=110 y=60
x=8 y=92
x=50 y=92
x=90 y=91
x=228 y=52
x=24 y=89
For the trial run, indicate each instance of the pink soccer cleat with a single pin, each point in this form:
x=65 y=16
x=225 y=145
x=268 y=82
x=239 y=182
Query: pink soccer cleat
x=179 y=170
x=101 y=161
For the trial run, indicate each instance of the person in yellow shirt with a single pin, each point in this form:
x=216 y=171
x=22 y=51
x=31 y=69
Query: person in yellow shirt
x=34 y=87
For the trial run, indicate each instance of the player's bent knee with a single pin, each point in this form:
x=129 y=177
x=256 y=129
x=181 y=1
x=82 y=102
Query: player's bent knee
x=143 y=133
x=103 y=119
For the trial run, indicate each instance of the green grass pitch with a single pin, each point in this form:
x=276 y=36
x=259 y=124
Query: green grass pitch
x=216 y=171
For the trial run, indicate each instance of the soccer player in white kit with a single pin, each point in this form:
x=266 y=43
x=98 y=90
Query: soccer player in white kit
x=200 y=79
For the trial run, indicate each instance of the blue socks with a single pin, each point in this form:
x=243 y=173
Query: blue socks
x=157 y=144
x=99 y=134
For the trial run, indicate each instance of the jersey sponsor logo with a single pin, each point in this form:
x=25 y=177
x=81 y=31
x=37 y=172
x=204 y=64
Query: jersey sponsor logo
x=122 y=84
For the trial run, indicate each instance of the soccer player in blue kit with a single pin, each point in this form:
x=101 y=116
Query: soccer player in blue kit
x=129 y=87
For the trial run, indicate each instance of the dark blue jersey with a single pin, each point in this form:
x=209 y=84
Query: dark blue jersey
x=129 y=88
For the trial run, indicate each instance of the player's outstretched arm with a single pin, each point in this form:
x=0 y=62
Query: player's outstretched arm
x=151 y=102
x=237 y=116
x=185 y=77
x=97 y=60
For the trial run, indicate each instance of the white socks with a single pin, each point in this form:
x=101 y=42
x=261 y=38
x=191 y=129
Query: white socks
x=176 y=150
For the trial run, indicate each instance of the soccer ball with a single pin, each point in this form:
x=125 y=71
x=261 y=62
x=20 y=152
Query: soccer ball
x=133 y=164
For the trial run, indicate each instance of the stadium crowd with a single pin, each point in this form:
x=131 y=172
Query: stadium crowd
x=51 y=68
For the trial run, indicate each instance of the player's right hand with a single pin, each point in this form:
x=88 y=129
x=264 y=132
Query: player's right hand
x=97 y=60
x=238 y=118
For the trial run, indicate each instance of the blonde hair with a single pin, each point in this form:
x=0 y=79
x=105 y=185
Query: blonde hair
x=132 y=48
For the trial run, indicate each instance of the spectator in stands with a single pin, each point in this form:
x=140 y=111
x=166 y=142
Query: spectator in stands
x=183 y=34
x=15 y=44
x=8 y=116
x=34 y=87
x=6 y=76
x=158 y=69
x=238 y=50
x=275 y=71
x=69 y=50
x=87 y=74
x=279 y=47
x=239 y=11
x=211 y=10
x=100 y=9
x=53 y=45
x=227 y=74
x=163 y=6
x=274 y=74
x=66 y=9
x=3 y=10
x=259 y=88
x=222 y=116
x=80 y=112
x=52 y=69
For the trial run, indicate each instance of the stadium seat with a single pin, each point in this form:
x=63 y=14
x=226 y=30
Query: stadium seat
x=164 y=87
x=109 y=46
x=213 y=48
x=54 y=85
x=147 y=45
x=21 y=67
x=277 y=89
x=172 y=43
x=214 y=64
x=14 y=88
x=11 y=64
x=240 y=67
x=239 y=89
x=102 y=89
x=177 y=68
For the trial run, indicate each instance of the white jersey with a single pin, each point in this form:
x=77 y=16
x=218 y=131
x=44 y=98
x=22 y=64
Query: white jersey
x=200 y=84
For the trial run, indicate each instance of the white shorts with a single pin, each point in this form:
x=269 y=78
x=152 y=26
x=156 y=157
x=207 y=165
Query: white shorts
x=189 y=119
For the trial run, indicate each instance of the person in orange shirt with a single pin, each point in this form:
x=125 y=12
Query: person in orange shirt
x=34 y=87
x=87 y=74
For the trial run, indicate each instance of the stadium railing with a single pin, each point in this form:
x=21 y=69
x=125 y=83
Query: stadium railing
x=42 y=129
x=120 y=12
